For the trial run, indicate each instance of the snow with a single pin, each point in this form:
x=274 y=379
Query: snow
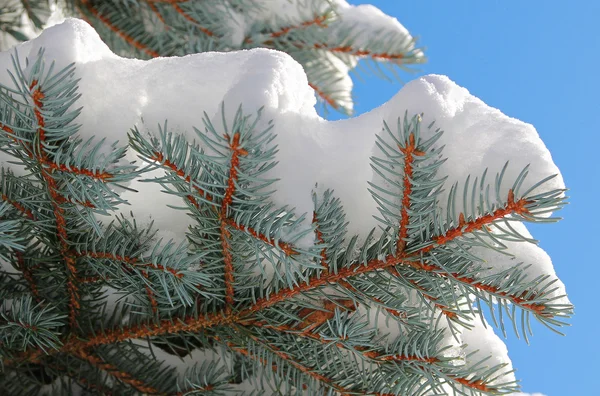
x=119 y=94
x=370 y=20
x=482 y=343
x=528 y=394
x=349 y=25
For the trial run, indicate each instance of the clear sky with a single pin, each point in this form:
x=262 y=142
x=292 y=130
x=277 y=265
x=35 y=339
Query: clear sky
x=537 y=61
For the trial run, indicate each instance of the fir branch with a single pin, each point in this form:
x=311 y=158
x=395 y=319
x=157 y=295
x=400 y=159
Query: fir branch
x=28 y=213
x=129 y=262
x=285 y=247
x=410 y=150
x=328 y=99
x=158 y=14
x=317 y=20
x=160 y=158
x=27 y=325
x=115 y=372
x=234 y=162
x=41 y=155
x=90 y=8
x=423 y=362
x=189 y=18
x=207 y=290
x=519 y=207
x=27 y=274
x=288 y=360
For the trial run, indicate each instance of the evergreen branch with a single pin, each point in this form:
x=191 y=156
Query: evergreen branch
x=189 y=324
x=27 y=274
x=424 y=293
x=512 y=207
x=131 y=263
x=208 y=377
x=18 y=206
x=27 y=325
x=409 y=151
x=331 y=209
x=96 y=174
x=167 y=287
x=285 y=247
x=156 y=12
x=189 y=18
x=328 y=99
x=128 y=262
x=316 y=282
x=344 y=50
x=114 y=28
x=195 y=324
x=318 y=20
x=391 y=311
x=289 y=360
x=53 y=166
x=56 y=199
x=115 y=372
x=160 y=158
x=422 y=361
x=234 y=162
x=150 y=293
x=523 y=300
x=349 y=50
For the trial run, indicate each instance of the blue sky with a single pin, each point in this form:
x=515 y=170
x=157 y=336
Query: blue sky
x=538 y=62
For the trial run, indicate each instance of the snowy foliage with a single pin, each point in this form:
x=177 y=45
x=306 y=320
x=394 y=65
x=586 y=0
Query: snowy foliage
x=469 y=141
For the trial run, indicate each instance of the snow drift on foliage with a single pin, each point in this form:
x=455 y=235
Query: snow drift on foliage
x=118 y=94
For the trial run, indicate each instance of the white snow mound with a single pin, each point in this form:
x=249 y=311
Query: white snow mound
x=119 y=93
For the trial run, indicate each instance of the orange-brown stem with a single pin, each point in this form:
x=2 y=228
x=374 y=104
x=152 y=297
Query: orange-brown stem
x=317 y=20
x=188 y=17
x=22 y=266
x=156 y=12
x=159 y=157
x=306 y=370
x=410 y=151
x=234 y=163
x=228 y=267
x=465 y=227
x=150 y=293
x=371 y=354
x=477 y=384
x=347 y=272
x=122 y=376
x=79 y=171
x=442 y=308
x=358 y=52
x=18 y=206
x=287 y=248
x=56 y=199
